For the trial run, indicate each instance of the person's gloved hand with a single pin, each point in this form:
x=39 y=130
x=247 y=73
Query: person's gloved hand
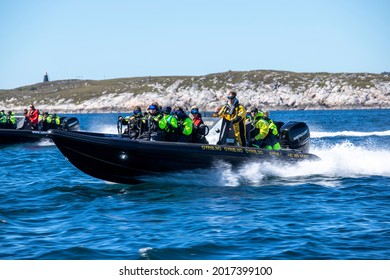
x=236 y=119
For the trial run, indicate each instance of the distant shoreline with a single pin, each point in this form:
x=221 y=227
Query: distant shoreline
x=266 y=89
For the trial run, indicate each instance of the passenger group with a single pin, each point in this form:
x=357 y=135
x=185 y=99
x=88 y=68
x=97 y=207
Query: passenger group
x=165 y=124
x=253 y=129
x=158 y=123
x=32 y=120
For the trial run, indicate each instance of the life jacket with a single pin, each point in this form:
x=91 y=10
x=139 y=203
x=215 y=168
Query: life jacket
x=261 y=126
x=3 y=117
x=272 y=127
x=151 y=122
x=236 y=114
x=135 y=122
x=197 y=120
x=185 y=126
x=11 y=119
x=33 y=115
x=56 y=120
x=168 y=123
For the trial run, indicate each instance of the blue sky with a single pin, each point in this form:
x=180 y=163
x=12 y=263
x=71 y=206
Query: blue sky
x=113 y=39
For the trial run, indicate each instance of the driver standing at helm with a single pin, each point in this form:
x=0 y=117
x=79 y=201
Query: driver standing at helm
x=234 y=112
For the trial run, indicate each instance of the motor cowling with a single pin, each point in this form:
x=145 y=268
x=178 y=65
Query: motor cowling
x=295 y=135
x=69 y=124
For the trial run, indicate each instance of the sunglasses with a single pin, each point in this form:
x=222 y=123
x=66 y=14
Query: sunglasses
x=231 y=97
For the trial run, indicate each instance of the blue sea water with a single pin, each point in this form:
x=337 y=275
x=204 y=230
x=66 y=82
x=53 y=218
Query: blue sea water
x=335 y=208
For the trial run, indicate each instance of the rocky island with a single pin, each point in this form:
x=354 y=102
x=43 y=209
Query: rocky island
x=273 y=90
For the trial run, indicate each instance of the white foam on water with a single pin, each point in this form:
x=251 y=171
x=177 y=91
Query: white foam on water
x=339 y=161
x=322 y=134
x=45 y=142
x=107 y=129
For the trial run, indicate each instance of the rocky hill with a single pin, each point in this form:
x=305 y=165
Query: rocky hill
x=274 y=90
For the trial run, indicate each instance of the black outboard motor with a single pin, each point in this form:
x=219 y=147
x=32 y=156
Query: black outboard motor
x=295 y=135
x=69 y=124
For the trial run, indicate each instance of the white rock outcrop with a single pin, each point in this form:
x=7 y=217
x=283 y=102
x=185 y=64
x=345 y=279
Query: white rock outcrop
x=273 y=90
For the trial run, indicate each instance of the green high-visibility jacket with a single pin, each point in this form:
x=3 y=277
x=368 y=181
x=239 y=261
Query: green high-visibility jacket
x=168 y=123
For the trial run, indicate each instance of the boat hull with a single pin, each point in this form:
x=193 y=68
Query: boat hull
x=17 y=136
x=27 y=135
x=113 y=158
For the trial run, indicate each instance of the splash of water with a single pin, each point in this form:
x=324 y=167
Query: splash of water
x=343 y=160
x=338 y=161
x=107 y=129
x=347 y=159
x=45 y=142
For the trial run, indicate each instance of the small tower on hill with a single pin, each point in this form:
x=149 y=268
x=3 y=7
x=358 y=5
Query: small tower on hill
x=45 y=78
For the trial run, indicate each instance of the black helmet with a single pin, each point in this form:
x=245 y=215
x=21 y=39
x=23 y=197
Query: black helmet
x=254 y=110
x=180 y=113
x=167 y=110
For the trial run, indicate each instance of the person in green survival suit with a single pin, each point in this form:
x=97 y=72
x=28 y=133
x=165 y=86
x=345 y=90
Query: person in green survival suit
x=8 y=120
x=184 y=124
x=271 y=141
x=168 y=125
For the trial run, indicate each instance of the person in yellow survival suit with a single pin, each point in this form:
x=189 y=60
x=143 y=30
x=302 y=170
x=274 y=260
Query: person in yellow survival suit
x=234 y=112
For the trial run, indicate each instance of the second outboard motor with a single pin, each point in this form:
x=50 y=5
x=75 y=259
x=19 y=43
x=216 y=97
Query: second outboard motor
x=295 y=135
x=70 y=124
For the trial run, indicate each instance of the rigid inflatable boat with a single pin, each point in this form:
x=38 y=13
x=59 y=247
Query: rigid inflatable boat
x=23 y=134
x=119 y=159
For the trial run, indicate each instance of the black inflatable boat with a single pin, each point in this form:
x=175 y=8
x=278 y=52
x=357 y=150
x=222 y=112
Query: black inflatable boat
x=23 y=134
x=119 y=159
